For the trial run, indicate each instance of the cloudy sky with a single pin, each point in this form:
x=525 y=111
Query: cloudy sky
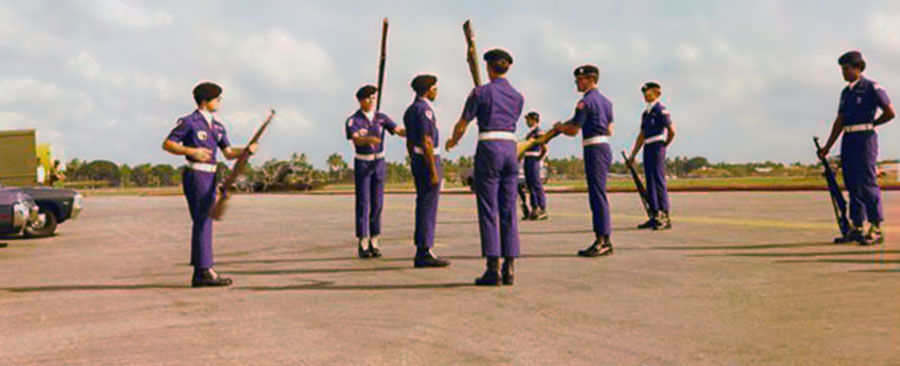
x=745 y=80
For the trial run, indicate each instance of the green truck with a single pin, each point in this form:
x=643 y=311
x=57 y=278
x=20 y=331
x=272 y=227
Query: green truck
x=18 y=158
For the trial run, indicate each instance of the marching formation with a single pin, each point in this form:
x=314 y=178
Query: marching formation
x=497 y=106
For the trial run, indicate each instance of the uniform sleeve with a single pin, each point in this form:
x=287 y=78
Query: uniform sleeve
x=224 y=142
x=426 y=118
x=609 y=114
x=580 y=114
x=471 y=108
x=350 y=128
x=665 y=117
x=180 y=132
x=389 y=124
x=881 y=96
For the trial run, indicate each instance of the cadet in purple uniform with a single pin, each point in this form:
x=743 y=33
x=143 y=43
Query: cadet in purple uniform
x=859 y=146
x=366 y=131
x=594 y=118
x=497 y=105
x=198 y=136
x=422 y=141
x=657 y=133
x=534 y=157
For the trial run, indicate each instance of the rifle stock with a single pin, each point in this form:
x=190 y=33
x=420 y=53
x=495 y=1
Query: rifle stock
x=638 y=184
x=472 y=53
x=236 y=170
x=525 y=145
x=381 y=62
x=837 y=197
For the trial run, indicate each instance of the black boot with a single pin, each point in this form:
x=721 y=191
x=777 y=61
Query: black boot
x=600 y=247
x=426 y=259
x=491 y=276
x=526 y=215
x=856 y=235
x=651 y=223
x=509 y=271
x=209 y=278
x=539 y=214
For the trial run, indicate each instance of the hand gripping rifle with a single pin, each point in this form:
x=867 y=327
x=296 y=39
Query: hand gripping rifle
x=837 y=198
x=638 y=184
x=236 y=170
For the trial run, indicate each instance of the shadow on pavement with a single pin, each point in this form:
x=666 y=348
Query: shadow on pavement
x=747 y=247
x=331 y=286
x=317 y=270
x=148 y=286
x=803 y=254
x=846 y=261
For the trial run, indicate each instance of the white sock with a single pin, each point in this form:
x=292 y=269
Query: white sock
x=374 y=242
x=362 y=242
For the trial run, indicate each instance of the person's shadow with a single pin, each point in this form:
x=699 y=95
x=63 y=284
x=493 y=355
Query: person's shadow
x=330 y=286
x=63 y=288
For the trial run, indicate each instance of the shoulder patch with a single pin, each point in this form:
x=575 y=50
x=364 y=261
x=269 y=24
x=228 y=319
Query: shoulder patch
x=877 y=86
x=429 y=115
x=580 y=105
x=349 y=121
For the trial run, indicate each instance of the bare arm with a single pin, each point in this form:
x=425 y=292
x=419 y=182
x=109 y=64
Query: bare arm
x=459 y=129
x=428 y=152
x=568 y=128
x=197 y=153
x=836 y=130
x=365 y=140
x=638 y=142
x=232 y=153
x=886 y=116
x=671 y=135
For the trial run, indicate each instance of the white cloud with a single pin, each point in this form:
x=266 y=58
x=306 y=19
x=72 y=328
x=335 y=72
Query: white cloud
x=124 y=14
x=286 y=62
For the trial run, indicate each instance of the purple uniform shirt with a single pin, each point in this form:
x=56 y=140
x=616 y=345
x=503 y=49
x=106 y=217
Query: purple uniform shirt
x=497 y=105
x=859 y=102
x=534 y=133
x=594 y=114
x=419 y=122
x=193 y=131
x=655 y=121
x=359 y=124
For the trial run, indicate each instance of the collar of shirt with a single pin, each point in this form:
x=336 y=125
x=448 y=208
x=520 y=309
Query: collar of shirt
x=207 y=116
x=852 y=84
x=427 y=102
x=651 y=105
x=369 y=115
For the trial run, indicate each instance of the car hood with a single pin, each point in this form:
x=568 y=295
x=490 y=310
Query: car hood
x=49 y=193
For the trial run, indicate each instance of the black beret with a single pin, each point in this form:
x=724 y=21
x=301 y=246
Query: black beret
x=206 y=91
x=497 y=54
x=587 y=70
x=533 y=114
x=365 y=92
x=649 y=85
x=853 y=58
x=421 y=83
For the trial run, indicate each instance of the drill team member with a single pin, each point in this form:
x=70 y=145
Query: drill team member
x=657 y=133
x=366 y=131
x=197 y=136
x=422 y=141
x=497 y=105
x=534 y=157
x=594 y=118
x=860 y=99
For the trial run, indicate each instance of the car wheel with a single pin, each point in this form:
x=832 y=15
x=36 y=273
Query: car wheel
x=44 y=226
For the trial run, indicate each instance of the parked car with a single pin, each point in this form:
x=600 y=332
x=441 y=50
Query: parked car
x=17 y=211
x=55 y=206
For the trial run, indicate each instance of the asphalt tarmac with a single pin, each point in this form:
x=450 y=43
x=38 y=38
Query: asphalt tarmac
x=742 y=279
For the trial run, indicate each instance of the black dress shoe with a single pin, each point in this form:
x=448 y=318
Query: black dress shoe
x=208 y=278
x=489 y=278
x=428 y=260
x=858 y=237
x=363 y=253
x=596 y=250
x=374 y=252
x=650 y=224
x=508 y=272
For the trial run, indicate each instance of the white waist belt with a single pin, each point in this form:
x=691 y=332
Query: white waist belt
x=497 y=135
x=203 y=167
x=653 y=139
x=370 y=157
x=859 y=128
x=533 y=153
x=418 y=150
x=601 y=139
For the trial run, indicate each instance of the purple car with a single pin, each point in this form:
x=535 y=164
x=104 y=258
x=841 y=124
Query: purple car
x=17 y=211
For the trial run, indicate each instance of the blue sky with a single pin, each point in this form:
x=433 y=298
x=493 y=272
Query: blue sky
x=745 y=81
